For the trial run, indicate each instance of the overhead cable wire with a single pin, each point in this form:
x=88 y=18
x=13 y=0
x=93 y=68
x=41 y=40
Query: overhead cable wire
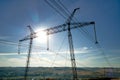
x=104 y=55
x=7 y=42
x=38 y=55
x=63 y=6
x=59 y=7
x=69 y=60
x=58 y=50
x=54 y=8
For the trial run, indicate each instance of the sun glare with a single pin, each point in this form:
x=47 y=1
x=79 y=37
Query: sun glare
x=41 y=36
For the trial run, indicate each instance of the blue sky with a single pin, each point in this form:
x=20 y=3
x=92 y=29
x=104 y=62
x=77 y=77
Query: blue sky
x=15 y=15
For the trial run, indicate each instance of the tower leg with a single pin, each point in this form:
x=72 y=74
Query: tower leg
x=73 y=63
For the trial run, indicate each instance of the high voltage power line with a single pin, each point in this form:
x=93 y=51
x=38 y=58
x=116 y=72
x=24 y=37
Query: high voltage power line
x=58 y=29
x=60 y=7
x=64 y=14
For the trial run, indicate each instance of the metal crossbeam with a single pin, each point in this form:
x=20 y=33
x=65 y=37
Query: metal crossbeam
x=64 y=27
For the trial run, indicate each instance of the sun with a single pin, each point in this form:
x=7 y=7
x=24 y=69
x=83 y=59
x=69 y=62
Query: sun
x=41 y=36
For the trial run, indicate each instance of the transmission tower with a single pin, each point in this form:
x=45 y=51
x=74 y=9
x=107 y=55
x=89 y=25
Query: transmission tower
x=29 y=37
x=71 y=47
x=67 y=26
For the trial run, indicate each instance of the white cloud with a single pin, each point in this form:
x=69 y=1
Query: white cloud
x=40 y=58
x=3 y=54
x=15 y=60
x=80 y=50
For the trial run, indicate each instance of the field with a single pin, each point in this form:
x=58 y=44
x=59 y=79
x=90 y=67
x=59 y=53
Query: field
x=58 y=73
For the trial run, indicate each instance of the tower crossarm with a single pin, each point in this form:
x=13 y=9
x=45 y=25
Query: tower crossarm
x=64 y=27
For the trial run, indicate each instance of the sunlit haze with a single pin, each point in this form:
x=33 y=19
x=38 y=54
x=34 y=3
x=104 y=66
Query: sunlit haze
x=41 y=36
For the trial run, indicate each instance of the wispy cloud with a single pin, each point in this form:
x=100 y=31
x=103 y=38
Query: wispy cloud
x=7 y=54
x=3 y=37
x=43 y=57
x=51 y=58
x=35 y=61
x=80 y=50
